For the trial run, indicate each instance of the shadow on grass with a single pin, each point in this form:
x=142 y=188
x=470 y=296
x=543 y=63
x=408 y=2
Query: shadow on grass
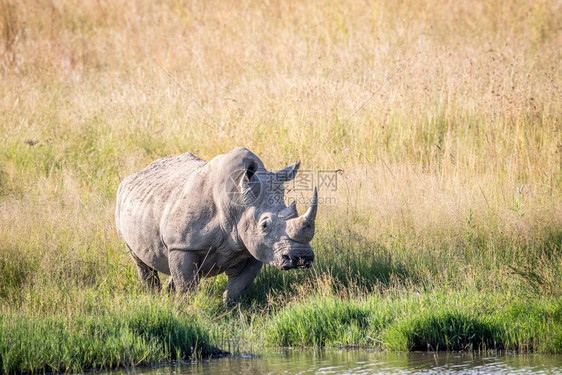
x=444 y=331
x=347 y=259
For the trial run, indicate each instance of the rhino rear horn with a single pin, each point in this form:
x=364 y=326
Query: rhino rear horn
x=289 y=212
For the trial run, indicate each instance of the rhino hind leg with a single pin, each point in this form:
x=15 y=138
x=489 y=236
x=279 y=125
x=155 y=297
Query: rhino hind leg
x=171 y=287
x=147 y=274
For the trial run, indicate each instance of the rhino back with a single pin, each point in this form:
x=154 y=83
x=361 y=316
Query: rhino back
x=142 y=200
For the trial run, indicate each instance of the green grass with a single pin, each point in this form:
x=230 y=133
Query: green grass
x=137 y=332
x=324 y=322
x=432 y=321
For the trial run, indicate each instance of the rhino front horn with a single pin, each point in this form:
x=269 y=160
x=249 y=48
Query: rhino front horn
x=310 y=214
x=301 y=229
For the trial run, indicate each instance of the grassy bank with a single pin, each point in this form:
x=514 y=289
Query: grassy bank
x=130 y=332
x=435 y=321
x=443 y=230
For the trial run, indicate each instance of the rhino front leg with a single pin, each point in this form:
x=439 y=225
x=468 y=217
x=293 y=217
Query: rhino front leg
x=239 y=278
x=183 y=269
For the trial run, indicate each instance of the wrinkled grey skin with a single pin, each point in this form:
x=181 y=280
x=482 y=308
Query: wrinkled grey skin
x=189 y=218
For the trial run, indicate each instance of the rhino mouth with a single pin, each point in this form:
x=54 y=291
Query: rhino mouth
x=291 y=254
x=291 y=262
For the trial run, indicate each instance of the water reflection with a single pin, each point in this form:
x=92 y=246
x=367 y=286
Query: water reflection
x=368 y=362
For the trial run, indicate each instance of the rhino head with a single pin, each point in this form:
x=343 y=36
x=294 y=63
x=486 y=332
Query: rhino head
x=270 y=230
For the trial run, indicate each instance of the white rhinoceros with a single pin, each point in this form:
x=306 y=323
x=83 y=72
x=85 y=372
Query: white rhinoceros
x=189 y=218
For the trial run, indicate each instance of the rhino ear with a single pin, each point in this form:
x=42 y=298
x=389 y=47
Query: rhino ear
x=250 y=167
x=250 y=187
x=288 y=173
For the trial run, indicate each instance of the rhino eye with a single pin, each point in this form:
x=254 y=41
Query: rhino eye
x=265 y=225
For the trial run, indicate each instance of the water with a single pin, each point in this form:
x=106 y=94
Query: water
x=368 y=362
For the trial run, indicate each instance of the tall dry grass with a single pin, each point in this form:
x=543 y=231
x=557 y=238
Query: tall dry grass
x=466 y=125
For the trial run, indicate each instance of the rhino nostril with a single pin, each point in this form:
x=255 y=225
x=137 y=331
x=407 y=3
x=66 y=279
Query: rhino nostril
x=304 y=263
